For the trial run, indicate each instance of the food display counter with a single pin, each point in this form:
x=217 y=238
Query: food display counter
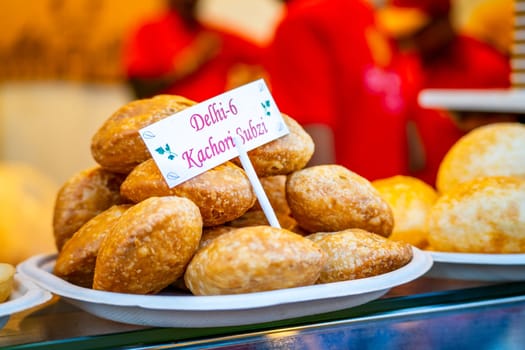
x=436 y=300
x=428 y=312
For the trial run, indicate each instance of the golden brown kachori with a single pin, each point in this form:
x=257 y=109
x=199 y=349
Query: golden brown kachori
x=149 y=247
x=222 y=193
x=329 y=198
x=254 y=259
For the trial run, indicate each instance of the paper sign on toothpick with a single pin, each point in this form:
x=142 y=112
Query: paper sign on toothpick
x=201 y=137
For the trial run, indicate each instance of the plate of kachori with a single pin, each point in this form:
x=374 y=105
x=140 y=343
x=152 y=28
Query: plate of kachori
x=179 y=309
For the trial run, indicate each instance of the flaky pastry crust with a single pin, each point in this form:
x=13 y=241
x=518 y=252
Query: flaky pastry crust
x=82 y=197
x=76 y=261
x=222 y=194
x=254 y=259
x=149 y=247
x=117 y=145
x=355 y=253
x=283 y=155
x=329 y=198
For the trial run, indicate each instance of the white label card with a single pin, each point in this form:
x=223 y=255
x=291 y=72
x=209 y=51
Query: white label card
x=201 y=137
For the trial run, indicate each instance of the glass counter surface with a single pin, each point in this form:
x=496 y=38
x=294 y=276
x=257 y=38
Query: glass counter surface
x=426 y=313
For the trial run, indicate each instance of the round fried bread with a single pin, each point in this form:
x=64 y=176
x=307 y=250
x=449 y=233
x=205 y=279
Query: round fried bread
x=82 y=197
x=496 y=149
x=411 y=201
x=76 y=261
x=329 y=198
x=222 y=194
x=117 y=145
x=254 y=259
x=149 y=247
x=283 y=155
x=356 y=253
x=484 y=215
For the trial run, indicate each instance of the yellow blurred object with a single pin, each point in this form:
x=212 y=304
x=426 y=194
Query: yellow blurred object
x=379 y=48
x=399 y=22
x=7 y=272
x=492 y=21
x=26 y=201
x=411 y=201
x=496 y=149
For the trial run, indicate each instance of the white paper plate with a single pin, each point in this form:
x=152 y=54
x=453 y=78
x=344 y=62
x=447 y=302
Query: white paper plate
x=25 y=295
x=184 y=310
x=478 y=267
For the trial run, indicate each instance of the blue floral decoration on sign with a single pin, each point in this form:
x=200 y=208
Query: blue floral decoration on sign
x=266 y=106
x=166 y=150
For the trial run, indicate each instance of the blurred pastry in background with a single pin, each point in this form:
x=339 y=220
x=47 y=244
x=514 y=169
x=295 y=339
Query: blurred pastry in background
x=492 y=150
x=26 y=198
x=484 y=215
x=411 y=200
x=7 y=273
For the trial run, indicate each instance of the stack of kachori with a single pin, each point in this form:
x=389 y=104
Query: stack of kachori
x=119 y=227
